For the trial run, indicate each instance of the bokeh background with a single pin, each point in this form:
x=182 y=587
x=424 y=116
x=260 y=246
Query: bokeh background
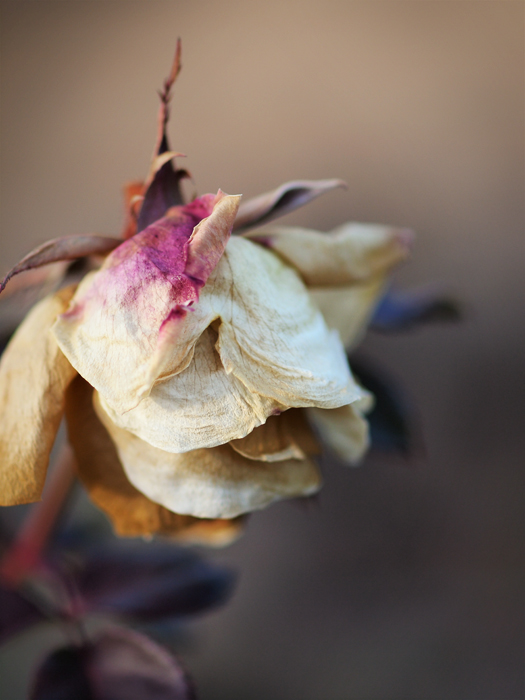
x=403 y=581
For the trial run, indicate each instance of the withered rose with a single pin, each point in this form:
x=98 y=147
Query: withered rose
x=192 y=365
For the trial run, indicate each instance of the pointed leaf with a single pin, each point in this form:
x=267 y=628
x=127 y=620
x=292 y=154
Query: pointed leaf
x=399 y=311
x=66 y=248
x=118 y=665
x=151 y=582
x=284 y=199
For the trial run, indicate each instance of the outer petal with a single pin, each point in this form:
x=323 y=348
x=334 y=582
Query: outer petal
x=122 y=317
x=101 y=472
x=273 y=338
x=213 y=483
x=350 y=253
x=344 y=429
x=34 y=375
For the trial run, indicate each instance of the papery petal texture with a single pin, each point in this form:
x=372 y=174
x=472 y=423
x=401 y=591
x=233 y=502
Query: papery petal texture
x=34 y=375
x=208 y=483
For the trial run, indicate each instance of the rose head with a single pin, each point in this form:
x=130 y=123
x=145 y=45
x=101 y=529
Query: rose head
x=193 y=364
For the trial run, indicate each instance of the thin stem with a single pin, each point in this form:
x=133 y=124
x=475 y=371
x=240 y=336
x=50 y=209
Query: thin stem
x=25 y=553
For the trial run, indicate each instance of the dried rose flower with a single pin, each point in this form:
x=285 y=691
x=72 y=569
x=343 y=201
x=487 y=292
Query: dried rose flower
x=192 y=364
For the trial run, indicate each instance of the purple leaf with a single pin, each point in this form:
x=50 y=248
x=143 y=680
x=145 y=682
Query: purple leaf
x=151 y=583
x=16 y=613
x=286 y=198
x=118 y=665
x=399 y=311
x=66 y=248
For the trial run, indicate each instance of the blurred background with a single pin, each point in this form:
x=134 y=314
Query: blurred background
x=404 y=580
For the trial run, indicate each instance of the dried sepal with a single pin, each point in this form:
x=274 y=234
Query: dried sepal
x=162 y=188
x=130 y=511
x=270 y=205
x=34 y=375
x=65 y=248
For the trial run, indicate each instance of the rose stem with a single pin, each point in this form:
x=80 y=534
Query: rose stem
x=26 y=550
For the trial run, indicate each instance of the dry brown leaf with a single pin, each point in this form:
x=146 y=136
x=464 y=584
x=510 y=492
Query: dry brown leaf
x=34 y=375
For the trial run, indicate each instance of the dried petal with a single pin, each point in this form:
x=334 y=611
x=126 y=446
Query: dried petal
x=284 y=199
x=349 y=309
x=66 y=248
x=208 y=483
x=344 y=429
x=349 y=254
x=287 y=436
x=34 y=375
x=101 y=473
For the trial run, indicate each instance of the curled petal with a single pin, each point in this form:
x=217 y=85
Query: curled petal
x=208 y=483
x=100 y=470
x=287 y=436
x=344 y=429
x=34 y=375
x=284 y=199
x=66 y=248
x=352 y=253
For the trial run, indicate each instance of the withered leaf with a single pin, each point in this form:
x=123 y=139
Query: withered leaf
x=284 y=199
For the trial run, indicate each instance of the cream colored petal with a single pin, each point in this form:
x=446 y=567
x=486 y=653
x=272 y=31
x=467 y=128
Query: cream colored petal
x=272 y=337
x=130 y=511
x=34 y=375
x=208 y=483
x=203 y=406
x=350 y=253
x=349 y=309
x=344 y=430
x=287 y=436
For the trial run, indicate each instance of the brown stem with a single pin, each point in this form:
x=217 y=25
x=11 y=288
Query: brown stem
x=25 y=553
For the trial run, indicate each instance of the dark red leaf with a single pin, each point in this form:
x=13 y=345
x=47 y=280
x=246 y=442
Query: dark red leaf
x=151 y=583
x=119 y=665
x=66 y=248
x=286 y=198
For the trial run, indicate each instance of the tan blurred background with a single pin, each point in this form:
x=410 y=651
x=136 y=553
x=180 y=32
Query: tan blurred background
x=401 y=583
